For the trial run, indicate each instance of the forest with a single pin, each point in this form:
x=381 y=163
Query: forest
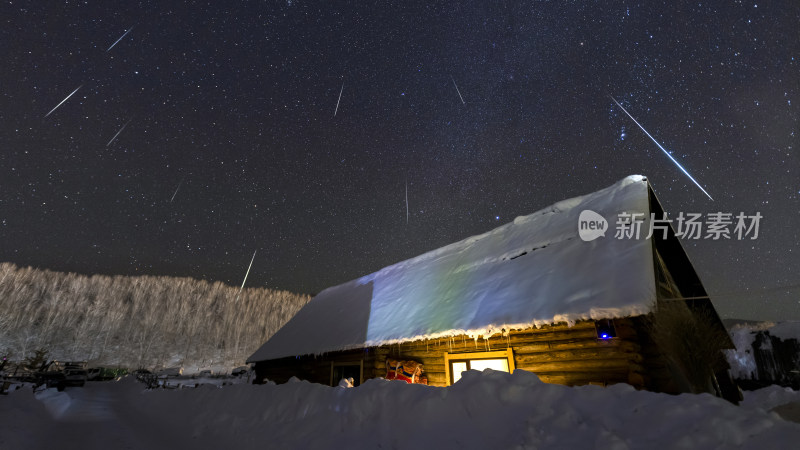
x=136 y=322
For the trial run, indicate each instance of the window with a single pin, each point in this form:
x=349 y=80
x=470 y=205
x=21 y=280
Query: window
x=347 y=369
x=605 y=329
x=456 y=363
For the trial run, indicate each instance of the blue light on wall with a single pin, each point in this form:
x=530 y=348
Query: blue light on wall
x=605 y=329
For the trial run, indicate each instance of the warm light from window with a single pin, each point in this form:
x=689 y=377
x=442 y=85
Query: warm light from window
x=478 y=364
x=458 y=367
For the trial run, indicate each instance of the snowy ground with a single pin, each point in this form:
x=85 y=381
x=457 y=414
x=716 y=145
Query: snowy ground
x=490 y=410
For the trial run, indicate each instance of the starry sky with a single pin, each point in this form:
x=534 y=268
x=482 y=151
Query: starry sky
x=294 y=129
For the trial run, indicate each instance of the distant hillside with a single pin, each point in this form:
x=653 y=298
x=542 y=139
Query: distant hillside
x=134 y=322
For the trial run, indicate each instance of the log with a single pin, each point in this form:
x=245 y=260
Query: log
x=572 y=379
x=576 y=354
x=433 y=368
x=556 y=332
x=543 y=358
x=437 y=377
x=424 y=360
x=567 y=350
x=410 y=351
x=434 y=378
x=460 y=343
x=575 y=344
x=580 y=365
x=627 y=332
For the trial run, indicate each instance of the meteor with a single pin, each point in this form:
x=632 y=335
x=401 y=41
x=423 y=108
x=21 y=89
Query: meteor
x=459 y=92
x=62 y=101
x=120 y=38
x=406 y=201
x=662 y=149
x=118 y=132
x=246 y=274
x=176 y=193
x=337 y=101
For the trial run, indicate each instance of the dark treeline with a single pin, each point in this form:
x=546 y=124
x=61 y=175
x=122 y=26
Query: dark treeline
x=136 y=322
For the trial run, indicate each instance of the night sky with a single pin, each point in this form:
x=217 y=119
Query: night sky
x=210 y=131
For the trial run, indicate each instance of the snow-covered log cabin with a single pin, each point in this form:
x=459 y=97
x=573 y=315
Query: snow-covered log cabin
x=531 y=295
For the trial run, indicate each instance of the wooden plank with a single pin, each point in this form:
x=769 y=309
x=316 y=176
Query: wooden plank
x=577 y=354
x=433 y=368
x=586 y=328
x=438 y=353
x=571 y=344
x=436 y=377
x=422 y=359
x=575 y=349
x=589 y=351
x=467 y=344
x=579 y=379
x=580 y=365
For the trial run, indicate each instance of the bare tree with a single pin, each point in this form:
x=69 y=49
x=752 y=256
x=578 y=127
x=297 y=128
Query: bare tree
x=136 y=321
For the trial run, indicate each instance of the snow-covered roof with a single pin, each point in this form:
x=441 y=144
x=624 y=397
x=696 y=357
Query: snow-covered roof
x=533 y=271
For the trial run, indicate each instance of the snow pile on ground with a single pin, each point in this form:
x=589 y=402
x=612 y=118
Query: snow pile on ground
x=770 y=397
x=782 y=400
x=483 y=410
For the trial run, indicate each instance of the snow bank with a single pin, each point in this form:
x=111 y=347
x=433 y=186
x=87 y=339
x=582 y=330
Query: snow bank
x=483 y=410
x=533 y=271
x=770 y=397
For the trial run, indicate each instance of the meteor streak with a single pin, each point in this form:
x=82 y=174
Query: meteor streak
x=337 y=101
x=176 y=191
x=62 y=101
x=120 y=38
x=406 y=201
x=118 y=132
x=246 y=274
x=459 y=92
x=662 y=149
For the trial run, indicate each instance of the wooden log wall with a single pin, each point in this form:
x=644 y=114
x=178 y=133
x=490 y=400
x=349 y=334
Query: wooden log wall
x=557 y=353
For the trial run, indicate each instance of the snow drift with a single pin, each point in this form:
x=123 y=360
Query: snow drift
x=483 y=410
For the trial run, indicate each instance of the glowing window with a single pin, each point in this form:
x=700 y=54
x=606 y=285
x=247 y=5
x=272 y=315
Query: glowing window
x=457 y=363
x=456 y=367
